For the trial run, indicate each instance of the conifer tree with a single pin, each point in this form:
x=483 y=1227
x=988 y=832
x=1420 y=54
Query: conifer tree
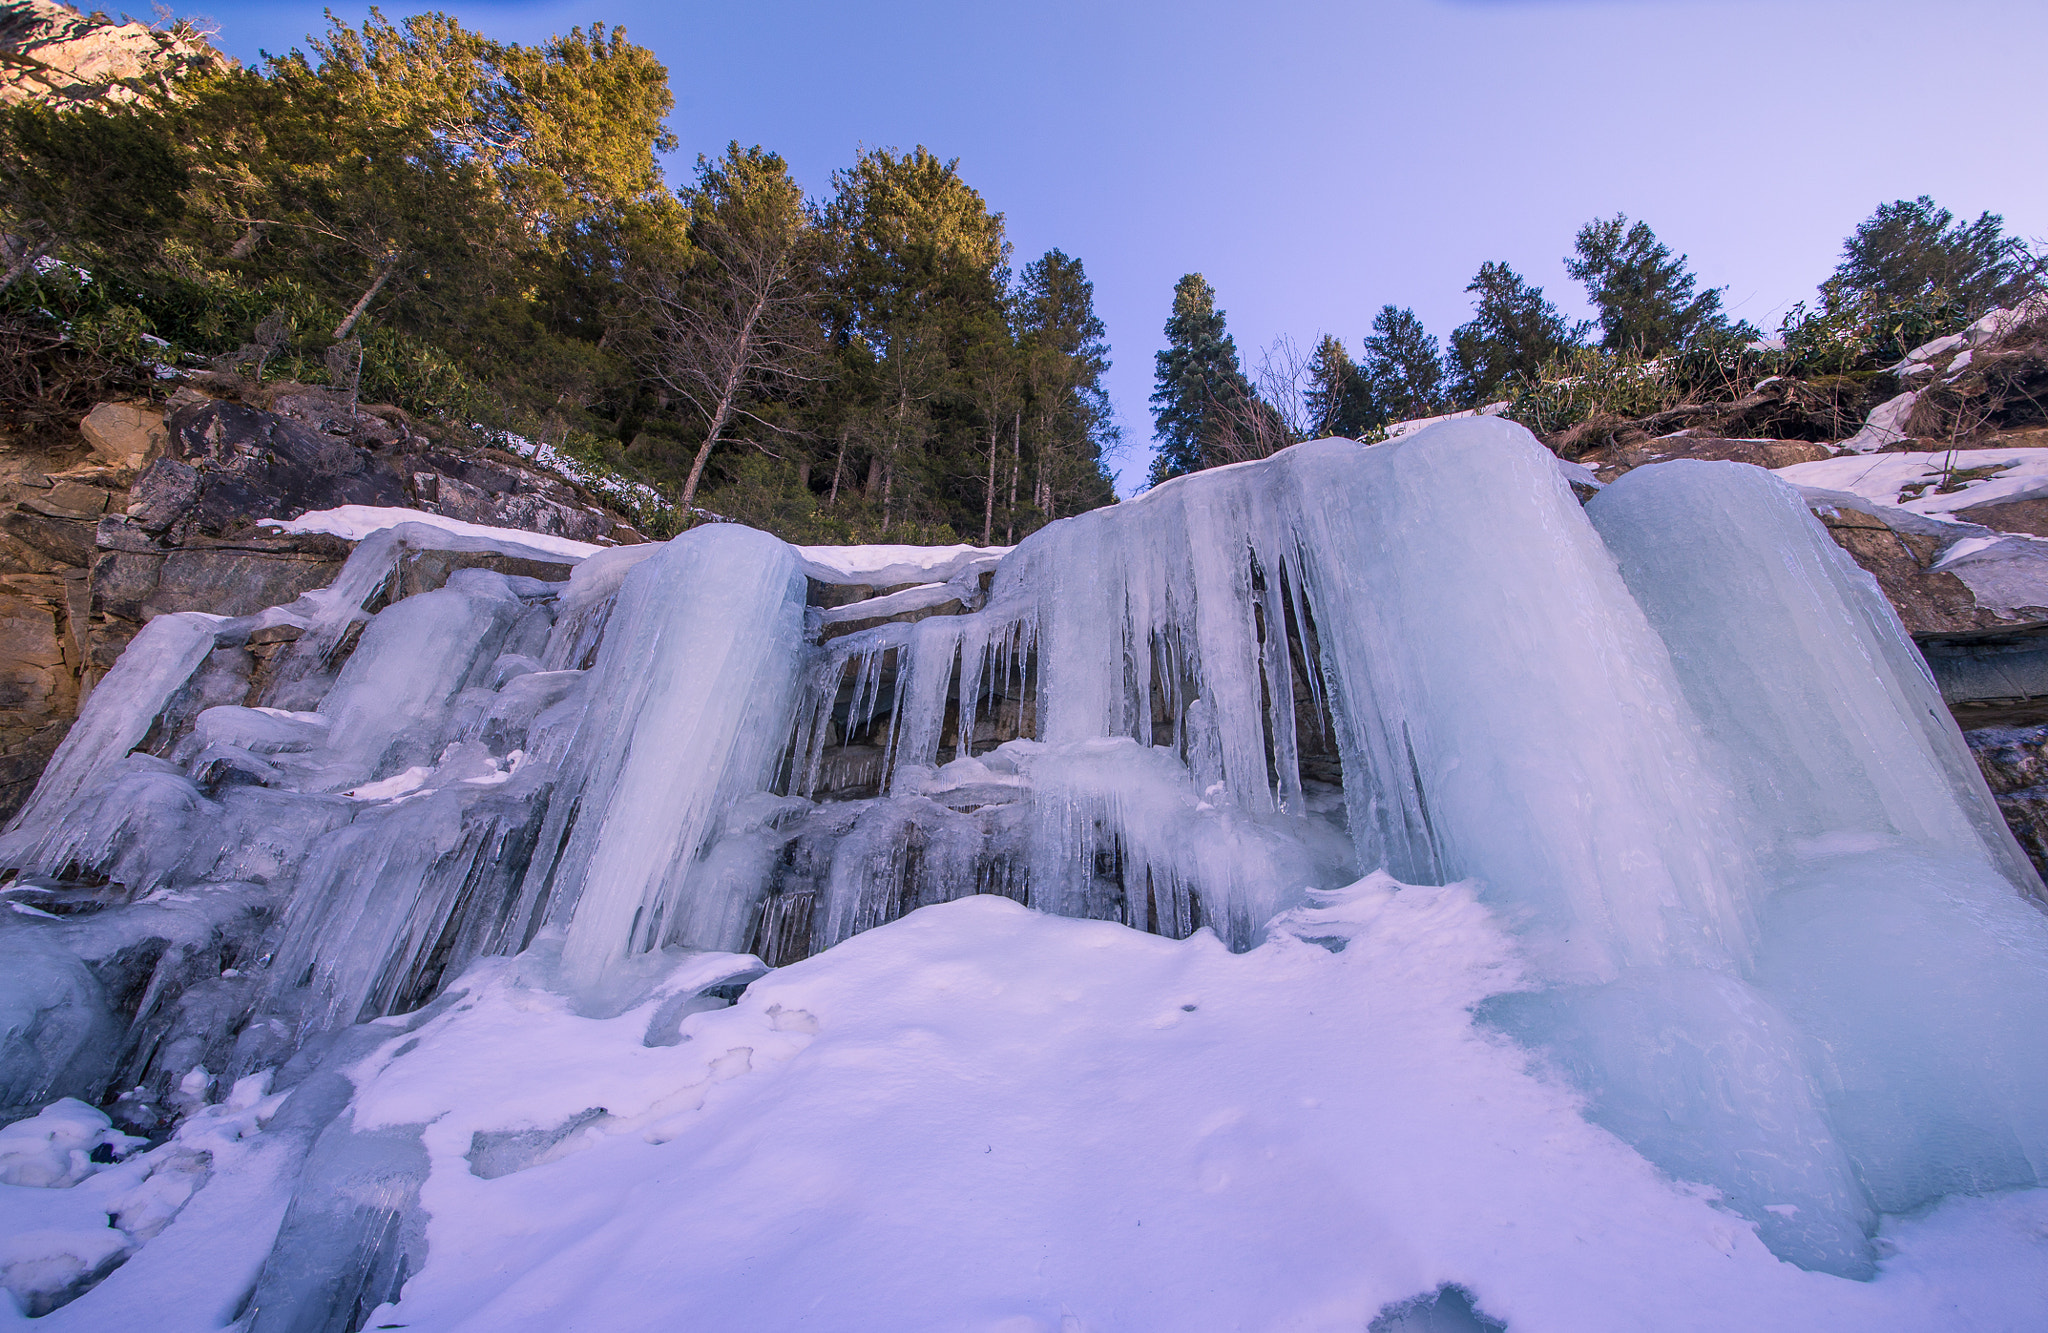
x=1339 y=398
x=1917 y=252
x=1070 y=422
x=1648 y=299
x=1403 y=366
x=1514 y=331
x=1197 y=379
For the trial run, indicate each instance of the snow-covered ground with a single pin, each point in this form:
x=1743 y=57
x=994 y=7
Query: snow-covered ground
x=984 y=1118
x=1913 y=481
x=356 y=522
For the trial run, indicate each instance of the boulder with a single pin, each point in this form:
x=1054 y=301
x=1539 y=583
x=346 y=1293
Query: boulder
x=125 y=435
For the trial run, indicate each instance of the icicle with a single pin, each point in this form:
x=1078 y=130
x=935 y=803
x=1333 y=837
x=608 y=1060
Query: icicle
x=681 y=721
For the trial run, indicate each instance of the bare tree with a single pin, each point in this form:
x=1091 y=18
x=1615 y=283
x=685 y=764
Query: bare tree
x=740 y=310
x=1259 y=424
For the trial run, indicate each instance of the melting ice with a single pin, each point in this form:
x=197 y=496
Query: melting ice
x=1774 y=929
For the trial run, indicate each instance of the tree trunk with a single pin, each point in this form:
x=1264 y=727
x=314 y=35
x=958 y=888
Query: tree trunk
x=719 y=416
x=348 y=321
x=838 y=464
x=988 y=507
x=1016 y=466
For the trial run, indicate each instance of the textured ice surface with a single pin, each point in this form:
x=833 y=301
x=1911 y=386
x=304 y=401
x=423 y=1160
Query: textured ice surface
x=470 y=869
x=355 y=522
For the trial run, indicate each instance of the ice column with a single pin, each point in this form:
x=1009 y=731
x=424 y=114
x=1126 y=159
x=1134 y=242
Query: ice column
x=1506 y=712
x=1798 y=665
x=117 y=718
x=1898 y=937
x=689 y=707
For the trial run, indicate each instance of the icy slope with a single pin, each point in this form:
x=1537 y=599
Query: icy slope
x=980 y=1118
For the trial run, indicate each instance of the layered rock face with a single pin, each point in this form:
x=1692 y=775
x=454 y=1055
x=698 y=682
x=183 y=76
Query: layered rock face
x=68 y=59
x=159 y=507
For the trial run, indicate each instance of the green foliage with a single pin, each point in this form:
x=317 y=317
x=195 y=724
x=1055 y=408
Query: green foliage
x=105 y=184
x=1403 y=367
x=1339 y=396
x=487 y=222
x=1648 y=299
x=1513 y=334
x=1916 y=255
x=1856 y=332
x=1198 y=383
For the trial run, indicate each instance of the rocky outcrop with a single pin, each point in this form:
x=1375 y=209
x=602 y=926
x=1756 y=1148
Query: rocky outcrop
x=52 y=53
x=2015 y=765
x=158 y=507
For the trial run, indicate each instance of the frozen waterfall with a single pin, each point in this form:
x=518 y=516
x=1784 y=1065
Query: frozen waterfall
x=1774 y=927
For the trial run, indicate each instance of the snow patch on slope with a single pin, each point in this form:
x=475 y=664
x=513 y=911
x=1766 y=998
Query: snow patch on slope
x=980 y=1117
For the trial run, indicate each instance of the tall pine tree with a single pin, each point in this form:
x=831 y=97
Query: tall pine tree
x=1514 y=331
x=1403 y=366
x=1197 y=381
x=1339 y=398
x=1649 y=301
x=1068 y=423
x=1914 y=251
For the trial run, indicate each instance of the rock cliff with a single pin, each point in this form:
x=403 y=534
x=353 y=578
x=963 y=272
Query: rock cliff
x=159 y=507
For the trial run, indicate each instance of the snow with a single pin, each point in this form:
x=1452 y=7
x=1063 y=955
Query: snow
x=1885 y=425
x=888 y=566
x=1912 y=480
x=1401 y=429
x=356 y=522
x=634 y=495
x=984 y=1118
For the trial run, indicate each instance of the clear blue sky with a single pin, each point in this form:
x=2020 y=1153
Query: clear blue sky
x=1318 y=159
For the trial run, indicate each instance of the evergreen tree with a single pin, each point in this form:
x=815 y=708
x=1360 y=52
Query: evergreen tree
x=921 y=276
x=1197 y=381
x=1072 y=427
x=107 y=182
x=1913 y=252
x=1403 y=366
x=1648 y=300
x=1339 y=397
x=1514 y=332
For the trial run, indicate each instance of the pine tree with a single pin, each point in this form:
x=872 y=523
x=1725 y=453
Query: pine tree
x=1917 y=252
x=1514 y=332
x=1070 y=422
x=1197 y=380
x=1338 y=397
x=1648 y=300
x=1403 y=367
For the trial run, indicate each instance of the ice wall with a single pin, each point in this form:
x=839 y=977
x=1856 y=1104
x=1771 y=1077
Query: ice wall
x=1774 y=929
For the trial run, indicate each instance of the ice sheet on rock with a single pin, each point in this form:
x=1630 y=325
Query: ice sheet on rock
x=888 y=566
x=155 y=666
x=914 y=598
x=1534 y=736
x=412 y=661
x=1797 y=665
x=678 y=723
x=1874 y=826
x=1914 y=480
x=358 y=522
